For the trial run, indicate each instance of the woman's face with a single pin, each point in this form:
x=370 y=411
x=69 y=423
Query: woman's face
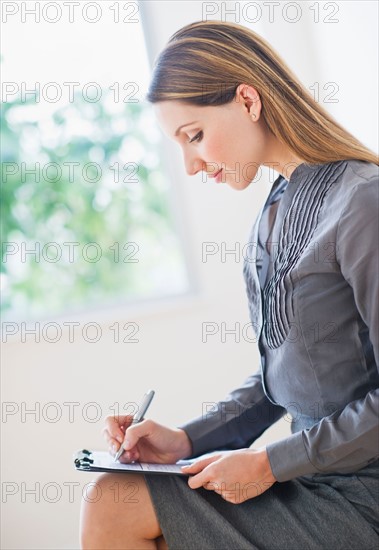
x=224 y=138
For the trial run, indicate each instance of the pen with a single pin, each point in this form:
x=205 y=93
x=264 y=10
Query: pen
x=146 y=400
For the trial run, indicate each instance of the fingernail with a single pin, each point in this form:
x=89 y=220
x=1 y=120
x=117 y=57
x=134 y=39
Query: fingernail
x=119 y=438
x=126 y=444
x=114 y=447
x=184 y=467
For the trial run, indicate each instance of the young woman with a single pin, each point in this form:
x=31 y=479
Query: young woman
x=233 y=105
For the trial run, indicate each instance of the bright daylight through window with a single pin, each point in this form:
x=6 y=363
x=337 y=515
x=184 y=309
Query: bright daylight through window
x=88 y=219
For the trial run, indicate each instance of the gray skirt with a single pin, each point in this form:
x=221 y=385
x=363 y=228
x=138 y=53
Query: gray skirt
x=320 y=511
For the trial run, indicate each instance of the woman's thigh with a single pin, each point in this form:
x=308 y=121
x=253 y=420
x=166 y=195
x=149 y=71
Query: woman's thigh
x=120 y=506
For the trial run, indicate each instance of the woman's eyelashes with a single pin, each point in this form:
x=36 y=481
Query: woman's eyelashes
x=198 y=137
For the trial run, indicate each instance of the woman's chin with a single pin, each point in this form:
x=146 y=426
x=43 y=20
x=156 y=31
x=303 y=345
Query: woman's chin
x=238 y=185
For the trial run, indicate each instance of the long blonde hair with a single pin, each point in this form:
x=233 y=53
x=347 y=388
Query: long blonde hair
x=204 y=62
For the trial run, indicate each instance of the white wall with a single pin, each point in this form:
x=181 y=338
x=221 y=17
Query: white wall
x=170 y=356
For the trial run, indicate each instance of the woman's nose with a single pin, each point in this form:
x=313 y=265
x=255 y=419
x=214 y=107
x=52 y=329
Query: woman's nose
x=192 y=164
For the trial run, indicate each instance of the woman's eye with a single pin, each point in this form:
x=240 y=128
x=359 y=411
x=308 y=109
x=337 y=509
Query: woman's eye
x=196 y=138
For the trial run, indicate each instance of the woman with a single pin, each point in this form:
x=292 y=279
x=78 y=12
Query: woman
x=233 y=105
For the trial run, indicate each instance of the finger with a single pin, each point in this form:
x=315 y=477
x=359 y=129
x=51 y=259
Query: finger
x=106 y=435
x=113 y=444
x=199 y=465
x=217 y=488
x=116 y=426
x=128 y=457
x=212 y=486
x=109 y=439
x=203 y=478
x=135 y=432
x=199 y=480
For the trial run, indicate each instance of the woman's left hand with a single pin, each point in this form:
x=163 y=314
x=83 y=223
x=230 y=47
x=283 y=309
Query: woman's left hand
x=235 y=475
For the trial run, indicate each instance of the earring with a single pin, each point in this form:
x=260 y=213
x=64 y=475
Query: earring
x=253 y=115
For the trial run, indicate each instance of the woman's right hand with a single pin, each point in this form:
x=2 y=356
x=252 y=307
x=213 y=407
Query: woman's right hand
x=149 y=441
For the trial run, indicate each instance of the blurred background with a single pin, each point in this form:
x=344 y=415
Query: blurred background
x=106 y=288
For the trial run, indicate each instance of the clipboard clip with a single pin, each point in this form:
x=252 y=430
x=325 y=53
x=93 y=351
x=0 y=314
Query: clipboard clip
x=83 y=460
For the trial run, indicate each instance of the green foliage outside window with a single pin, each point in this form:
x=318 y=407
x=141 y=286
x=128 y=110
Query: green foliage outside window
x=83 y=189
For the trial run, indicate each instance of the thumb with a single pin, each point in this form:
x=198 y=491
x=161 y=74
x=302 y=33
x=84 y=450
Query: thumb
x=199 y=465
x=135 y=432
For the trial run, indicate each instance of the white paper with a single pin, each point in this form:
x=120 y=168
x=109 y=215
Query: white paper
x=102 y=459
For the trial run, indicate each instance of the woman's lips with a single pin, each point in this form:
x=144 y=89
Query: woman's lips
x=217 y=176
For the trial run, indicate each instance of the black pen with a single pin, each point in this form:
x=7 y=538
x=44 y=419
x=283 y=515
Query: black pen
x=146 y=400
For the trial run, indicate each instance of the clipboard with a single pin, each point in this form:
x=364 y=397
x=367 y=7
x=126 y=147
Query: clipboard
x=102 y=461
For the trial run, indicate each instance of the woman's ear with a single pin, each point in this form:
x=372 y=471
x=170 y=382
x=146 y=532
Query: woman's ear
x=249 y=98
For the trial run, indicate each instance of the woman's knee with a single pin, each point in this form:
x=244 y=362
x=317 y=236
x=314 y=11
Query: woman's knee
x=114 y=497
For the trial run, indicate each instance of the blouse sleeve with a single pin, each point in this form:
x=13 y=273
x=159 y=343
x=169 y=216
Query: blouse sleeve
x=234 y=422
x=348 y=439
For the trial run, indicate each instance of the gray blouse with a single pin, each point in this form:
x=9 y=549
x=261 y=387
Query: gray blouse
x=312 y=283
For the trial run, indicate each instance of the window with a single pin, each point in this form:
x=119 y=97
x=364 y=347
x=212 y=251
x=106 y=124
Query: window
x=86 y=217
